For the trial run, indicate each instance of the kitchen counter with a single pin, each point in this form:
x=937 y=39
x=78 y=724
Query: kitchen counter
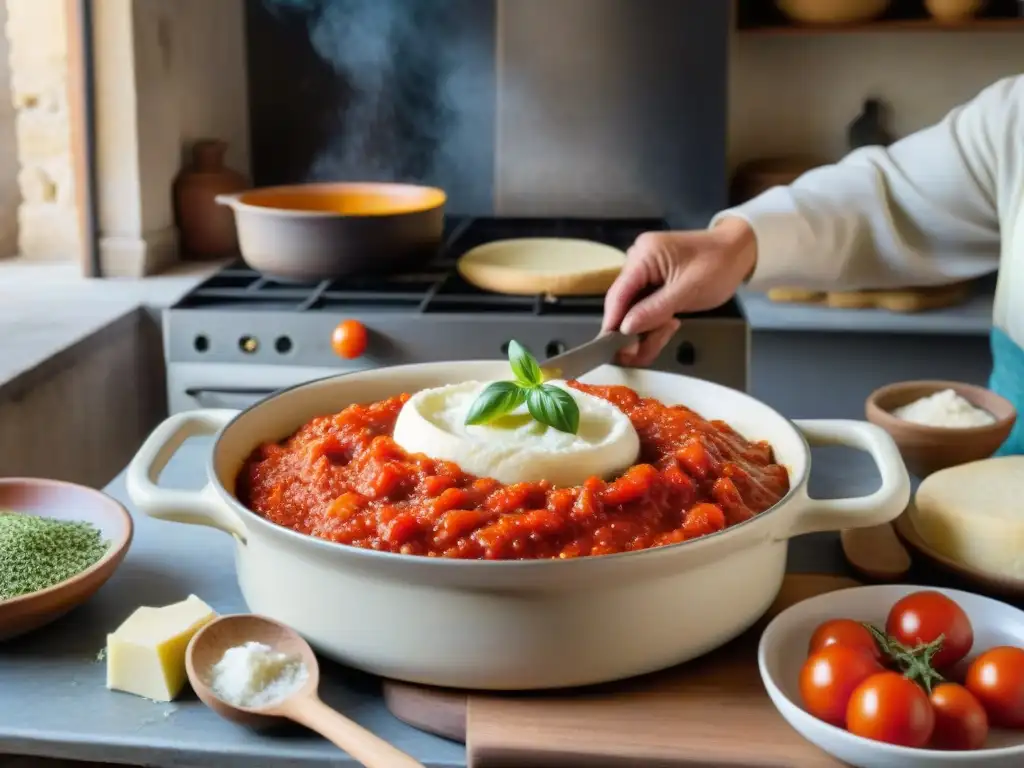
x=972 y=318
x=53 y=702
x=48 y=309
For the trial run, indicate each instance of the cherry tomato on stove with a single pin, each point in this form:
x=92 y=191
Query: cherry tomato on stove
x=888 y=707
x=829 y=677
x=846 y=632
x=996 y=678
x=349 y=339
x=960 y=720
x=922 y=617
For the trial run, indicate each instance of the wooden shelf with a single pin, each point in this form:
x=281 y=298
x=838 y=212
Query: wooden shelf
x=889 y=25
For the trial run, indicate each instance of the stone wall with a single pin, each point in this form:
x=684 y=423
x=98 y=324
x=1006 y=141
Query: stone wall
x=38 y=53
x=795 y=94
x=9 y=195
x=167 y=72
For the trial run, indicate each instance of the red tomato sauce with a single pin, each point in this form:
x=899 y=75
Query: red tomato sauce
x=342 y=478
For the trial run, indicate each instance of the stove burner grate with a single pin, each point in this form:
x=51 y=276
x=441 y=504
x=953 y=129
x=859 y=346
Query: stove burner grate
x=433 y=288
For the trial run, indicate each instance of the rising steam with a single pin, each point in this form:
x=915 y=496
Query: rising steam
x=412 y=88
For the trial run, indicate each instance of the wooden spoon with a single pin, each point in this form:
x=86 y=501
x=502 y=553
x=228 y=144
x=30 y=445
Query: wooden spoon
x=303 y=706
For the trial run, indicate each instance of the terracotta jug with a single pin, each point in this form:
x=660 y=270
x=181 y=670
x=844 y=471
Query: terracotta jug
x=207 y=230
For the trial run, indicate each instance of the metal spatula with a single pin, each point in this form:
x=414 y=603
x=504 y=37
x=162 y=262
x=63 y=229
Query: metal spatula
x=586 y=357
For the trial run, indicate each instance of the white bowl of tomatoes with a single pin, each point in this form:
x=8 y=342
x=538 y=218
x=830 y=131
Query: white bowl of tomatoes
x=900 y=676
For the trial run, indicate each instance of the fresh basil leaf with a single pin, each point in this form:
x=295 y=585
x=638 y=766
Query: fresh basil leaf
x=554 y=407
x=525 y=368
x=497 y=399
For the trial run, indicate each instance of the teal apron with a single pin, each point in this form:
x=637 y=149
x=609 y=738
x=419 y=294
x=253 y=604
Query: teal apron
x=1008 y=380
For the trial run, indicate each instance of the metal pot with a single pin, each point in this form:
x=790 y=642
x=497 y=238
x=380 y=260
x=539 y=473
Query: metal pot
x=313 y=232
x=516 y=624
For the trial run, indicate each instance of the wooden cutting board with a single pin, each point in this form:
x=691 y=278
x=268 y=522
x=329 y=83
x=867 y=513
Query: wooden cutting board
x=906 y=300
x=712 y=711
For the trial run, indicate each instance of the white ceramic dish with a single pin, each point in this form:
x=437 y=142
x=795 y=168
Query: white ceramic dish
x=515 y=624
x=783 y=648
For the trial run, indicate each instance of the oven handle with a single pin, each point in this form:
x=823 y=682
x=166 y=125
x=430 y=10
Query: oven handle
x=257 y=392
x=219 y=397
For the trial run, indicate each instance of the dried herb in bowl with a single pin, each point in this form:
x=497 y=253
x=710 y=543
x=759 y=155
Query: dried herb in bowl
x=41 y=552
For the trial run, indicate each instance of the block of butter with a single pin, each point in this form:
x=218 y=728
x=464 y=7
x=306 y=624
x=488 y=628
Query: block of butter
x=146 y=654
x=973 y=514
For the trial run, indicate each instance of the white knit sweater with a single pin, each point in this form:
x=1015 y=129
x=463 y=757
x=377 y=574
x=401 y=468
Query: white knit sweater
x=943 y=204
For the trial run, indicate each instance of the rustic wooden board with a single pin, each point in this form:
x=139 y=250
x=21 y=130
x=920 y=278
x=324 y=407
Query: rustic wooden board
x=713 y=711
x=907 y=300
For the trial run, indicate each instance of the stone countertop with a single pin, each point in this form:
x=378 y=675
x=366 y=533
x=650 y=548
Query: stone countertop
x=46 y=309
x=53 y=702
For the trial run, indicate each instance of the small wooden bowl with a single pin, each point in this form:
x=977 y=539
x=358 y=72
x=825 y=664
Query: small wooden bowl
x=929 y=449
x=832 y=12
x=62 y=501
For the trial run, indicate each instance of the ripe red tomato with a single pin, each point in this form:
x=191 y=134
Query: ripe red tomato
x=922 y=617
x=349 y=339
x=846 y=632
x=830 y=676
x=888 y=707
x=960 y=720
x=996 y=678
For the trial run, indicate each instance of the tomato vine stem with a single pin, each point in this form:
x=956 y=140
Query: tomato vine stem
x=915 y=663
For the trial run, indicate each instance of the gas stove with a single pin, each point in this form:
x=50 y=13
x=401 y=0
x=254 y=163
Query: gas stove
x=240 y=336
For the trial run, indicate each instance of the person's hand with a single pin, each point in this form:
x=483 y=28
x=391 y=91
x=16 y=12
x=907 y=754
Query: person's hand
x=690 y=272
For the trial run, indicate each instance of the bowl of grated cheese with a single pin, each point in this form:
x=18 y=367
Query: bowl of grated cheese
x=941 y=424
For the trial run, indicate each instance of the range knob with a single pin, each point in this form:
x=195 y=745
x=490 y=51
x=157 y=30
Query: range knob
x=349 y=339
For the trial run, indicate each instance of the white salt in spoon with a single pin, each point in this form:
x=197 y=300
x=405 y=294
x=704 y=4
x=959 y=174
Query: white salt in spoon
x=302 y=706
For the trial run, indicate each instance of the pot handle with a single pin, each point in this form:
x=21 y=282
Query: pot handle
x=227 y=199
x=201 y=507
x=882 y=506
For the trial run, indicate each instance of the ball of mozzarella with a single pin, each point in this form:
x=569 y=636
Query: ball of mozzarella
x=515 y=448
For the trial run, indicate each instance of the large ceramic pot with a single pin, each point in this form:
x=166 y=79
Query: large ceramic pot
x=516 y=624
x=313 y=232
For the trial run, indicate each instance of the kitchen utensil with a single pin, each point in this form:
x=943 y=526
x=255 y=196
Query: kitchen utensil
x=686 y=716
x=928 y=449
x=586 y=357
x=62 y=501
x=868 y=128
x=313 y=232
x=876 y=552
x=782 y=651
x=830 y=12
x=543 y=265
x=984 y=582
x=951 y=11
x=304 y=706
x=516 y=624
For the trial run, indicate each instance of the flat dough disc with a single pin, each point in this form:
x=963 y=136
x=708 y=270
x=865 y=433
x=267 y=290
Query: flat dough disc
x=552 y=266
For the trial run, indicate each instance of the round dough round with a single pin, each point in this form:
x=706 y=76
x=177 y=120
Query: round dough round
x=552 y=266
